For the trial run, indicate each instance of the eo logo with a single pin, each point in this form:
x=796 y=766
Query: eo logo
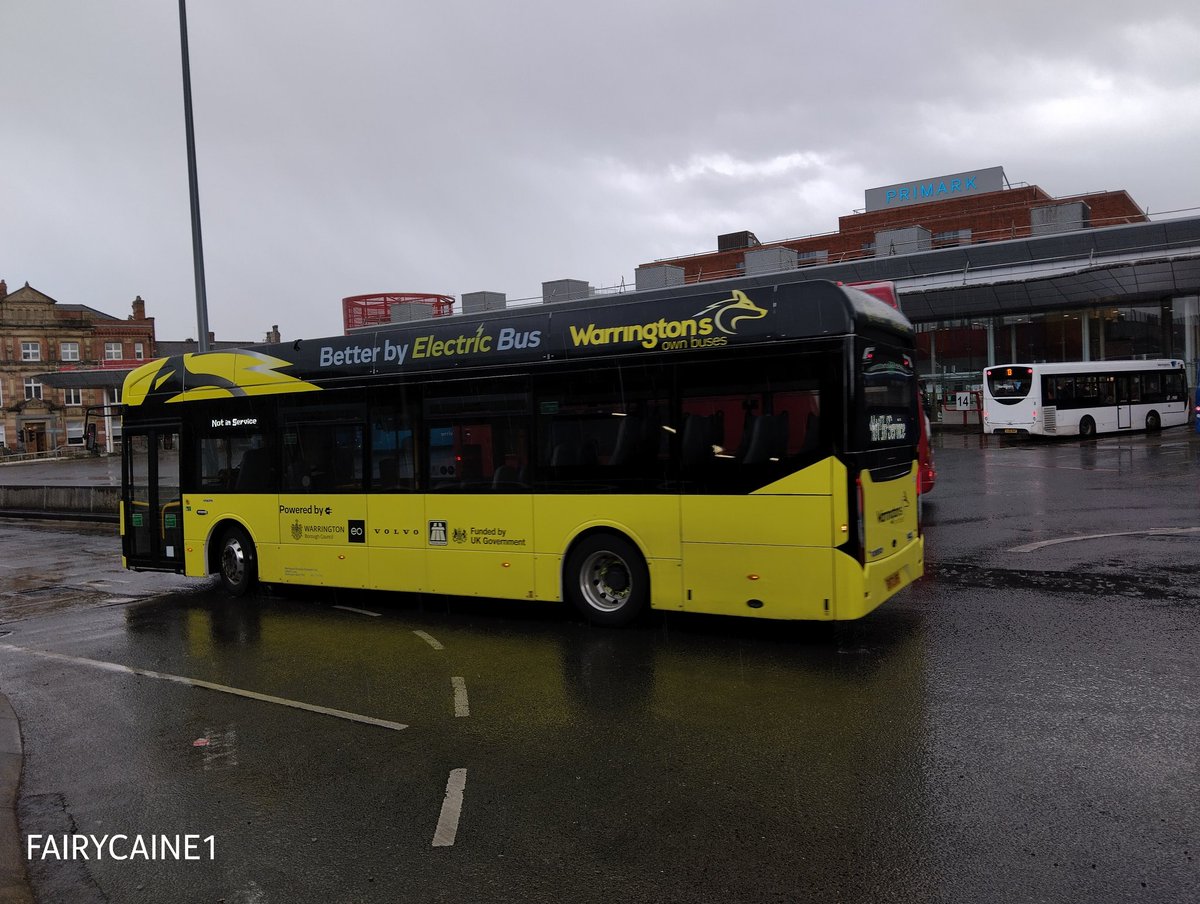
x=357 y=531
x=437 y=533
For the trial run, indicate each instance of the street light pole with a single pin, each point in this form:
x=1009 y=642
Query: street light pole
x=194 y=191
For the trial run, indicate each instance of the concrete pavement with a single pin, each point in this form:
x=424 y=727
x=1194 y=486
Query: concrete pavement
x=14 y=885
x=77 y=489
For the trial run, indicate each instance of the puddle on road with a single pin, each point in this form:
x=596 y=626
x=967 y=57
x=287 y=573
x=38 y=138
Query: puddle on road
x=1161 y=588
x=32 y=601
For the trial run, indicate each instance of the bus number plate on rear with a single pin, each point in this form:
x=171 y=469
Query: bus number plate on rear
x=1008 y=430
x=892 y=580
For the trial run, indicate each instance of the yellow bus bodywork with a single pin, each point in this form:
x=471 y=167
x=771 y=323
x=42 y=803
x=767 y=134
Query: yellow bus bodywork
x=772 y=553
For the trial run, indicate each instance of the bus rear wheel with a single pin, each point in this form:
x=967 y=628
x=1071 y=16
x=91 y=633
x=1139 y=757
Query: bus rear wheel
x=237 y=563
x=1087 y=427
x=1153 y=422
x=607 y=580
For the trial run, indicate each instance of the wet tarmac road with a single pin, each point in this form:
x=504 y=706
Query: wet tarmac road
x=1022 y=725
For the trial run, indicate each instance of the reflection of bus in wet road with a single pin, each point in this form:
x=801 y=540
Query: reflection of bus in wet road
x=740 y=761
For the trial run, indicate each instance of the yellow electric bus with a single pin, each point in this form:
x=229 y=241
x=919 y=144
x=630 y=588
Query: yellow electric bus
x=742 y=447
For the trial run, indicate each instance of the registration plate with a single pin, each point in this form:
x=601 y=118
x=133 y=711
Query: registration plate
x=1008 y=430
x=892 y=580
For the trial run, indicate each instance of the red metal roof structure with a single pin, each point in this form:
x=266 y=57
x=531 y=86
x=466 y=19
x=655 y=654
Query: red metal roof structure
x=369 y=310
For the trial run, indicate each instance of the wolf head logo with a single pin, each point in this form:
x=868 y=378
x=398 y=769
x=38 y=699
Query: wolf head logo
x=729 y=311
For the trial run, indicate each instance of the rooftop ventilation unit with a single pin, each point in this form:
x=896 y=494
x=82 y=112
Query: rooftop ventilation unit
x=565 y=290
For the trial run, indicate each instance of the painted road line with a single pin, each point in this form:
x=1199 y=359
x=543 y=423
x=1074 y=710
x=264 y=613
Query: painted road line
x=432 y=641
x=1149 y=532
x=461 y=707
x=207 y=685
x=1004 y=464
x=358 y=611
x=447 y=827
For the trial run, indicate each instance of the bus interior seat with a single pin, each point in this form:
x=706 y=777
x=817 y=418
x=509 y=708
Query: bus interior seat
x=812 y=433
x=389 y=473
x=506 y=477
x=629 y=438
x=768 y=438
x=566 y=455
x=574 y=454
x=700 y=433
x=254 y=472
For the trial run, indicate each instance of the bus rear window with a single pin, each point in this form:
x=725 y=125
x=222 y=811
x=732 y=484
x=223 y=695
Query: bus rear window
x=888 y=411
x=1009 y=385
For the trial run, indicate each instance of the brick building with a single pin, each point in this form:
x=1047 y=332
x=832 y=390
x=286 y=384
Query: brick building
x=943 y=218
x=990 y=272
x=40 y=335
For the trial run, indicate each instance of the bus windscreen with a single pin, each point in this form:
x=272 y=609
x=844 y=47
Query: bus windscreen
x=1009 y=385
x=888 y=398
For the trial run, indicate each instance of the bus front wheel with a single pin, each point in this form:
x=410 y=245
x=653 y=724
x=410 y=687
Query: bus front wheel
x=237 y=564
x=1087 y=427
x=1153 y=422
x=607 y=580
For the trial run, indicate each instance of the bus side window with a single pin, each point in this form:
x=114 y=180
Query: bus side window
x=393 y=466
x=323 y=456
x=601 y=429
x=478 y=436
x=214 y=463
x=255 y=471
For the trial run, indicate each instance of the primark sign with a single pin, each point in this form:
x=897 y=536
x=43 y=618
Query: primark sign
x=940 y=188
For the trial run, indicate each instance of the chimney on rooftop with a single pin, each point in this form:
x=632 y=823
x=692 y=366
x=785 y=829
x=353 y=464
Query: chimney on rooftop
x=139 y=309
x=3 y=288
x=273 y=334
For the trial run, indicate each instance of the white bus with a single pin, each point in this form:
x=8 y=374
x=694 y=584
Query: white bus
x=1083 y=398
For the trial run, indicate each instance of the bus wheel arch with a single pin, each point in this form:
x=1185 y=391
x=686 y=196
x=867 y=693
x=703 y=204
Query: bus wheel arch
x=1153 y=422
x=1087 y=427
x=234 y=557
x=606 y=578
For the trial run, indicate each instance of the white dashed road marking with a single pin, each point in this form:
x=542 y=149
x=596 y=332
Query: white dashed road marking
x=1151 y=532
x=207 y=685
x=447 y=827
x=432 y=641
x=358 y=611
x=461 y=707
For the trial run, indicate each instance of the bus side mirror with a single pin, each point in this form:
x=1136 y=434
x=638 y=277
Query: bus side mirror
x=90 y=438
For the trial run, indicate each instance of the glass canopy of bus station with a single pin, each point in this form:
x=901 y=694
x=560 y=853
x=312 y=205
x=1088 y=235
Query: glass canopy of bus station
x=953 y=353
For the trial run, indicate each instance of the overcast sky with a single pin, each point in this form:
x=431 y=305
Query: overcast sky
x=379 y=145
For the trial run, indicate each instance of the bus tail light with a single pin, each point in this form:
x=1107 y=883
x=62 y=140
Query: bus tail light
x=920 y=504
x=861 y=522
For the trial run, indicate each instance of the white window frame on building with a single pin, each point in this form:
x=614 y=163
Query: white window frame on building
x=31 y=350
x=139 y=351
x=74 y=433
x=69 y=351
x=33 y=389
x=113 y=351
x=3 y=439
x=73 y=396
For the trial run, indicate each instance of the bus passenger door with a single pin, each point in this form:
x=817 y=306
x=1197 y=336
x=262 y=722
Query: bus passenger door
x=152 y=527
x=1124 y=404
